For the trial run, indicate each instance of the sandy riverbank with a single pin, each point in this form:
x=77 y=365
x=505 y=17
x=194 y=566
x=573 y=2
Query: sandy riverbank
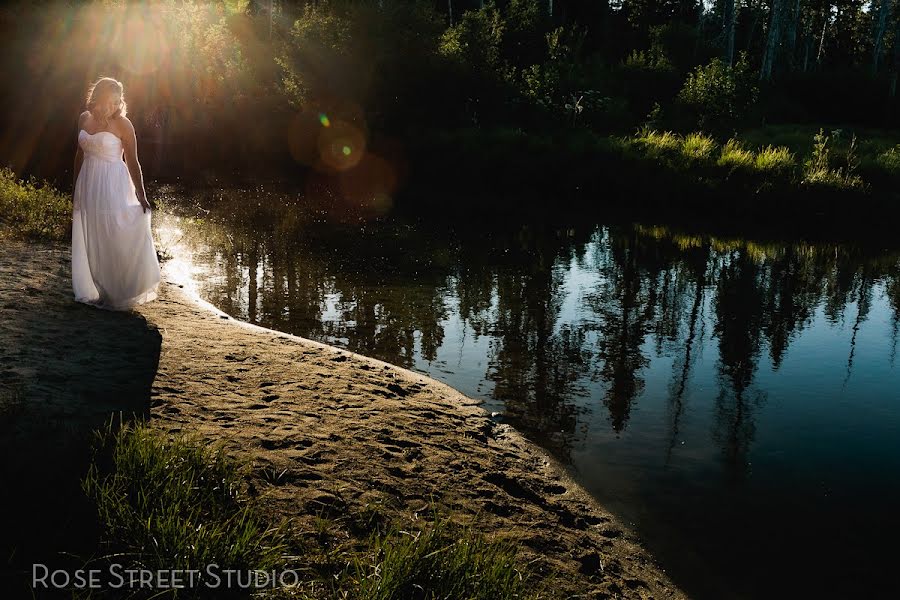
x=343 y=431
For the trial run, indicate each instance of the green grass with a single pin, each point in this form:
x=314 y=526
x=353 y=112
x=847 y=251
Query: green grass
x=177 y=504
x=735 y=156
x=889 y=161
x=836 y=161
x=774 y=160
x=440 y=561
x=658 y=144
x=699 y=147
x=33 y=209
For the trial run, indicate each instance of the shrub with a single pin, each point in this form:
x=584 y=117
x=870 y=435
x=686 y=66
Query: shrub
x=716 y=95
x=818 y=171
x=889 y=160
x=32 y=208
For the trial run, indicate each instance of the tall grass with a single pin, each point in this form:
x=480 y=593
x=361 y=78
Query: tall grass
x=889 y=160
x=818 y=169
x=33 y=209
x=176 y=504
x=440 y=561
x=698 y=146
x=774 y=160
x=735 y=156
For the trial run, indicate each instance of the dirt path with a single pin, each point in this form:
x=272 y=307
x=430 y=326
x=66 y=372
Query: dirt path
x=336 y=430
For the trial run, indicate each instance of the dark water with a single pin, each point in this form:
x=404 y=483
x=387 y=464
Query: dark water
x=736 y=401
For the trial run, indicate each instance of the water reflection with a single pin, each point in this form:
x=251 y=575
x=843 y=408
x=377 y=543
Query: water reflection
x=661 y=366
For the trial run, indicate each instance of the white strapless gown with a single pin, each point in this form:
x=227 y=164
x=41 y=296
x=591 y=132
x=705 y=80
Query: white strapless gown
x=114 y=263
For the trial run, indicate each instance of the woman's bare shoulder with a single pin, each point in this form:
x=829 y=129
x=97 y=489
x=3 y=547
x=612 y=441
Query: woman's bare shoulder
x=124 y=126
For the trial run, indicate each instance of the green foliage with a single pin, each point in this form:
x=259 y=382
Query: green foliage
x=698 y=146
x=476 y=38
x=698 y=155
x=818 y=170
x=658 y=143
x=33 y=209
x=342 y=53
x=176 y=504
x=889 y=160
x=735 y=157
x=717 y=95
x=641 y=60
x=775 y=160
x=446 y=560
x=526 y=27
x=679 y=44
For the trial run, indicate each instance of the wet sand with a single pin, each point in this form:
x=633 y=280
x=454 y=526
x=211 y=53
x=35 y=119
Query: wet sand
x=328 y=431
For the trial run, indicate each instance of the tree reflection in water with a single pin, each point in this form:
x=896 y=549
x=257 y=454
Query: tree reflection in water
x=609 y=344
x=389 y=288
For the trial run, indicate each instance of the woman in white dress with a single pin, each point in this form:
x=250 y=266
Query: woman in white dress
x=114 y=262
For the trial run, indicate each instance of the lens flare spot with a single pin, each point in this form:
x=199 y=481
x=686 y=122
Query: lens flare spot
x=323 y=119
x=341 y=146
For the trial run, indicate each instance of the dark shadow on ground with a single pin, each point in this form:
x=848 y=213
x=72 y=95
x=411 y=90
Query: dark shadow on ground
x=66 y=369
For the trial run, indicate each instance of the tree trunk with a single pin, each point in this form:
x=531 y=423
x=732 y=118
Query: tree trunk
x=822 y=42
x=896 y=65
x=792 y=35
x=728 y=25
x=773 y=41
x=881 y=20
x=808 y=39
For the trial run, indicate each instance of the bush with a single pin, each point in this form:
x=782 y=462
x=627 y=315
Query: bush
x=818 y=170
x=889 y=160
x=716 y=96
x=33 y=209
x=342 y=55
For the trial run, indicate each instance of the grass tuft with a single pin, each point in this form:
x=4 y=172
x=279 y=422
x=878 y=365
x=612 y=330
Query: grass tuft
x=735 y=157
x=698 y=147
x=439 y=561
x=775 y=160
x=176 y=504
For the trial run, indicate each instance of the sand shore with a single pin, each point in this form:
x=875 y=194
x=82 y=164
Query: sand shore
x=341 y=431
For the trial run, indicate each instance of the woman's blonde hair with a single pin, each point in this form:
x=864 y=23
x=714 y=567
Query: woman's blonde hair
x=100 y=88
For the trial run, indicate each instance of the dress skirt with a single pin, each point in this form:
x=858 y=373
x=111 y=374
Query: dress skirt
x=114 y=262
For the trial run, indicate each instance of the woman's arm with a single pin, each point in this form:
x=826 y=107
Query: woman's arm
x=129 y=141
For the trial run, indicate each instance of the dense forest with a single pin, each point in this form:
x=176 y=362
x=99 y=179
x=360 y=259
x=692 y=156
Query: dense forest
x=781 y=91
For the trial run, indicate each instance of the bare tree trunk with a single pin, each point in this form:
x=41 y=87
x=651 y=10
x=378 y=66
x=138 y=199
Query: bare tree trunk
x=792 y=35
x=881 y=20
x=896 y=57
x=807 y=43
x=750 y=34
x=822 y=41
x=728 y=25
x=773 y=41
